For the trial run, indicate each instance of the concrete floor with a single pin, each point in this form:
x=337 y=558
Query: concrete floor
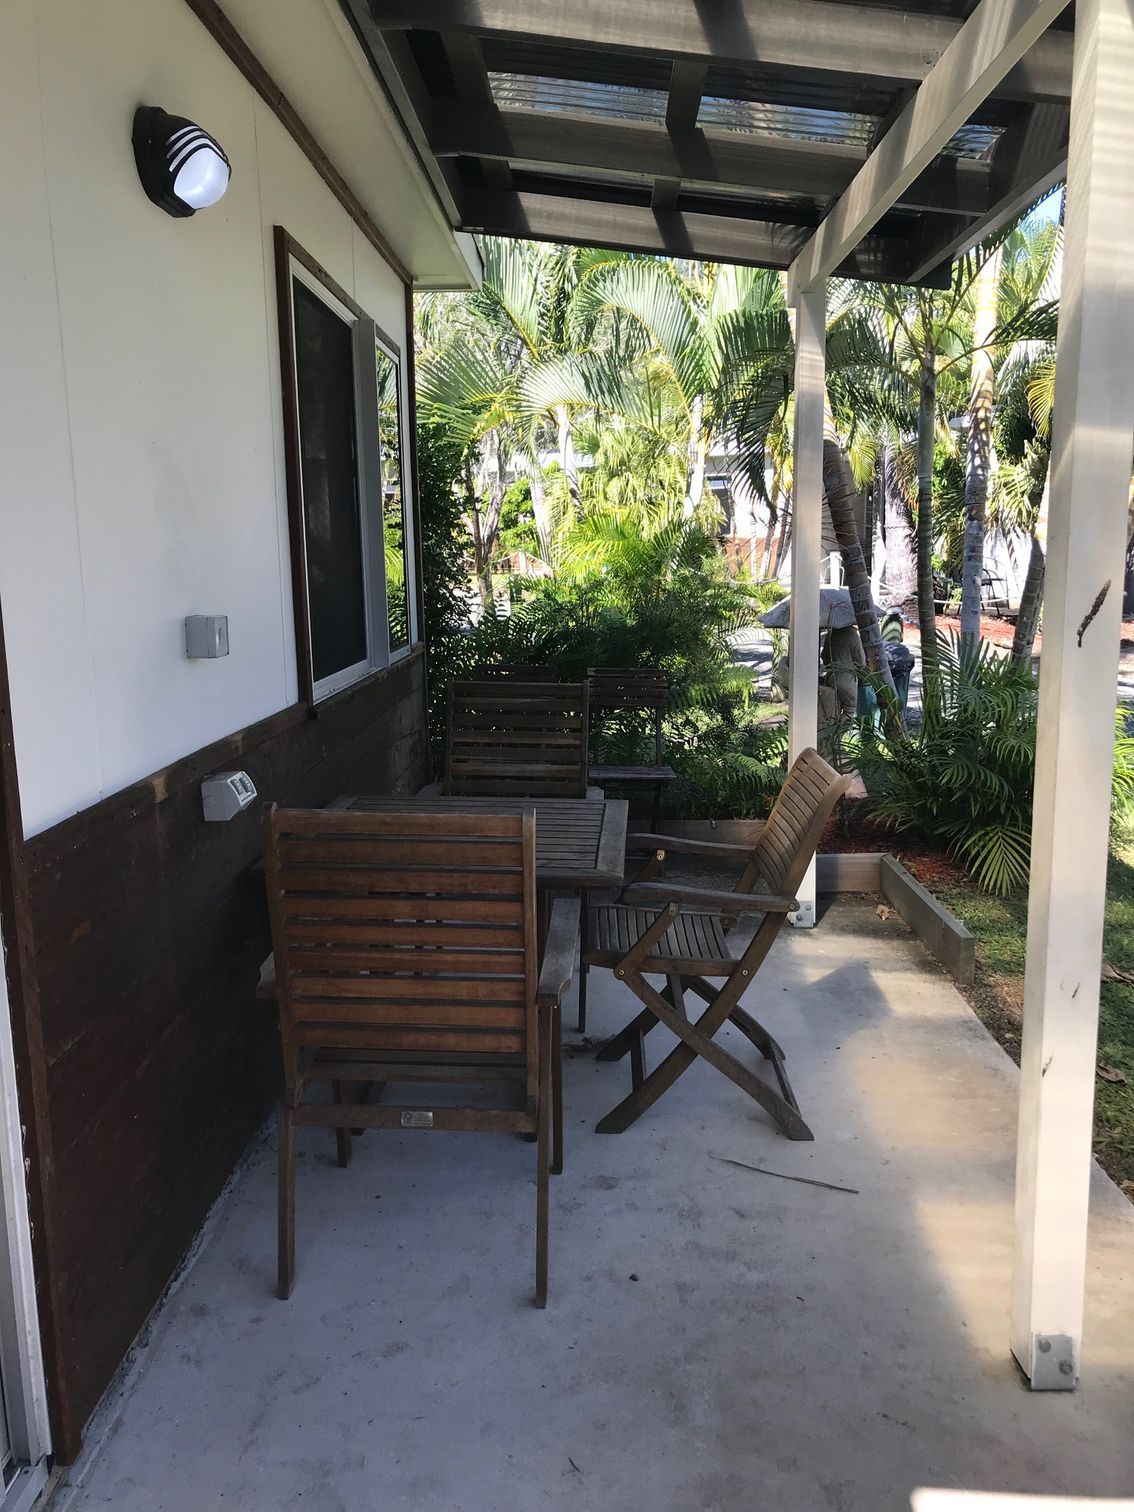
x=716 y=1340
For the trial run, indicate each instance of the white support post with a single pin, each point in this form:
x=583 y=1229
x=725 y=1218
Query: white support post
x=1092 y=442
x=806 y=543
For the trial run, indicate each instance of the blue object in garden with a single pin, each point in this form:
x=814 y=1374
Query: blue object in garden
x=900 y=659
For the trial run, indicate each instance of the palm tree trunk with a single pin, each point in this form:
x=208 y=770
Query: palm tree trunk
x=567 y=454
x=1031 y=596
x=979 y=453
x=540 y=511
x=840 y=494
x=781 y=539
x=769 y=537
x=695 y=477
x=901 y=556
x=926 y=421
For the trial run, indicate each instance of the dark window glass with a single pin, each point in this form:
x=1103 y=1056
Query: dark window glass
x=324 y=362
x=393 y=499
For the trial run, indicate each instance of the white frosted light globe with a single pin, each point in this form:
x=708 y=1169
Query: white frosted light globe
x=202 y=178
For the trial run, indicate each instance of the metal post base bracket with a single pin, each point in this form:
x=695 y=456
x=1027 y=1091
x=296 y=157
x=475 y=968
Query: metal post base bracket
x=804 y=916
x=1054 y=1364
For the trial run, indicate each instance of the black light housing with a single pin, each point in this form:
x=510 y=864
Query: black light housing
x=182 y=168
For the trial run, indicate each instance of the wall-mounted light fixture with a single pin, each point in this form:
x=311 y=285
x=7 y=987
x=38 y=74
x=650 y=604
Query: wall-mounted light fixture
x=182 y=168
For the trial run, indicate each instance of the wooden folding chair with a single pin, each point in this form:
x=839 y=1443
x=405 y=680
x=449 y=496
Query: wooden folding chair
x=633 y=690
x=684 y=934
x=506 y=738
x=404 y=950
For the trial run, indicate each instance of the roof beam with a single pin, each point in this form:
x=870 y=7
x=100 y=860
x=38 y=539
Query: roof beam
x=813 y=35
x=686 y=83
x=466 y=64
x=641 y=228
x=994 y=38
x=707 y=160
x=1028 y=161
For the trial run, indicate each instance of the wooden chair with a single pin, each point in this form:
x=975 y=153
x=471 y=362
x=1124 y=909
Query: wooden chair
x=683 y=933
x=631 y=690
x=404 y=950
x=506 y=738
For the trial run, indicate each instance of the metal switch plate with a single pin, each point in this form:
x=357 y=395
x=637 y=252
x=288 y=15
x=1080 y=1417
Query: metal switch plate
x=1054 y=1366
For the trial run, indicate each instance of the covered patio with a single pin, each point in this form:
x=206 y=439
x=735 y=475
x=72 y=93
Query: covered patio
x=862 y=141
x=713 y=1337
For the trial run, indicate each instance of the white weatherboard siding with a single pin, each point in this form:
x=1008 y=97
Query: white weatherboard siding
x=141 y=463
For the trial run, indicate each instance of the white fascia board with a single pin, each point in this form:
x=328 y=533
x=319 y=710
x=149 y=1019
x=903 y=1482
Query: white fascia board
x=311 y=52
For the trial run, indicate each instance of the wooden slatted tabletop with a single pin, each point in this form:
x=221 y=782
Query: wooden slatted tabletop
x=580 y=842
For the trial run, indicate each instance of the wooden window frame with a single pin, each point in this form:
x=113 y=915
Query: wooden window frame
x=294 y=262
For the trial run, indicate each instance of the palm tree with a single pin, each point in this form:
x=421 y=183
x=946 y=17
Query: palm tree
x=982 y=391
x=672 y=349
x=1014 y=315
x=475 y=356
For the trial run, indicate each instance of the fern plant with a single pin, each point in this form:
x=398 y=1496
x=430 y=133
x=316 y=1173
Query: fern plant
x=964 y=777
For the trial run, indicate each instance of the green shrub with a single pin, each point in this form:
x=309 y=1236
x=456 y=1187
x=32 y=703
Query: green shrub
x=964 y=776
x=654 y=599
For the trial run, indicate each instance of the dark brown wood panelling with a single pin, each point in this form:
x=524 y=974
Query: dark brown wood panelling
x=157 y=1063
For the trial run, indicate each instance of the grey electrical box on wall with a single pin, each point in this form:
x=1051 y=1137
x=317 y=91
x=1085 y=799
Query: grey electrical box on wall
x=206 y=636
x=226 y=794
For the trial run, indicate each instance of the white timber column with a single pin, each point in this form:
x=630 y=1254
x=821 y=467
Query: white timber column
x=1092 y=441
x=806 y=542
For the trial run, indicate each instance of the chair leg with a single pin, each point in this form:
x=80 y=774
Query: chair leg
x=286 y=1264
x=342 y=1136
x=696 y=1039
x=543 y=1165
x=629 y=1040
x=557 y=1091
x=768 y=1047
x=626 y=1039
x=584 y=942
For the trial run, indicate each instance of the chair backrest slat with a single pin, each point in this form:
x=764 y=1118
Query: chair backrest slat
x=628 y=688
x=405 y=932
x=509 y=738
x=789 y=839
x=633 y=690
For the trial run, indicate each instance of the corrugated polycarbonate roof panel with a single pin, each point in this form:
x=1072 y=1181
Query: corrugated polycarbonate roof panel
x=794 y=121
x=513 y=55
x=615 y=102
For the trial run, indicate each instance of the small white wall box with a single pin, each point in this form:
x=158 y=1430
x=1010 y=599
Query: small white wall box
x=226 y=794
x=206 y=635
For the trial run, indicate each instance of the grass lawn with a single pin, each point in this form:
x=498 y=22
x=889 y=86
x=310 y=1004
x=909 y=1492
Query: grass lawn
x=1000 y=926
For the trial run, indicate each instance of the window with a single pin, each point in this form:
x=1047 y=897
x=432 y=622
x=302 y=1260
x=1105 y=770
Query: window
x=351 y=524
x=395 y=525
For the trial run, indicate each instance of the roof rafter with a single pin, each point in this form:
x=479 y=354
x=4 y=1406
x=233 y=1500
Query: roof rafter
x=1028 y=161
x=991 y=42
x=705 y=159
x=673 y=233
x=813 y=35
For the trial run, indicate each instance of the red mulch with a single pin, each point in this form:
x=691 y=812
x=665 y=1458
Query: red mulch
x=851 y=834
x=1001 y=631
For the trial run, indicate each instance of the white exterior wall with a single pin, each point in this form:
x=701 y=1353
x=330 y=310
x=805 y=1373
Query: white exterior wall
x=141 y=443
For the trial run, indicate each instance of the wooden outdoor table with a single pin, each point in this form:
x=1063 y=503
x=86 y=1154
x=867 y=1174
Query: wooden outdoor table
x=580 y=842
